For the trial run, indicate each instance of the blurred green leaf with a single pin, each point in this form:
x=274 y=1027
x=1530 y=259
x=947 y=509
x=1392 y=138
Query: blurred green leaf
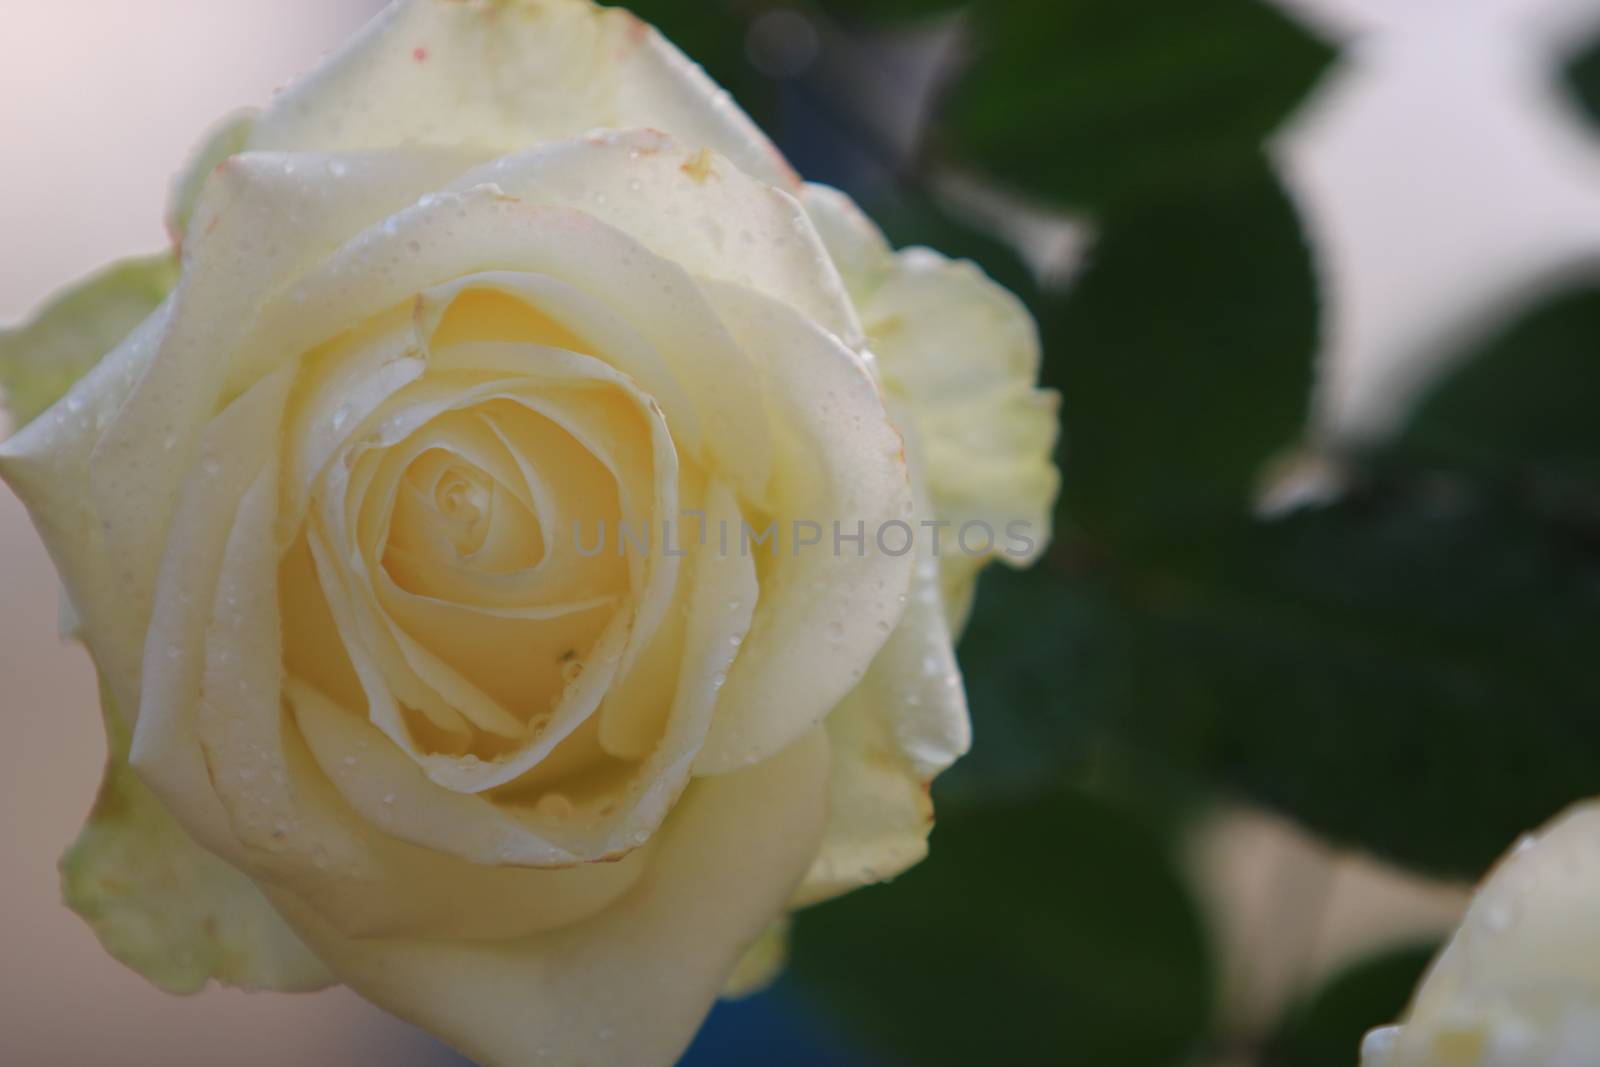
x=1184 y=357
x=1327 y=1028
x=886 y=13
x=1522 y=409
x=1406 y=670
x=1049 y=932
x=1103 y=103
x=1583 y=79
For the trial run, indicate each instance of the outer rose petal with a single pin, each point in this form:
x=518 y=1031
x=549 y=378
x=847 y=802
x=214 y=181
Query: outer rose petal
x=168 y=908
x=761 y=963
x=500 y=75
x=961 y=356
x=906 y=722
x=822 y=618
x=690 y=207
x=1519 y=985
x=629 y=987
x=47 y=463
x=129 y=459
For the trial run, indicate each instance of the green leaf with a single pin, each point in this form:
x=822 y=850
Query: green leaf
x=1521 y=409
x=1103 y=104
x=1054 y=931
x=41 y=360
x=1406 y=670
x=1582 y=78
x=1326 y=1029
x=888 y=13
x=1184 y=359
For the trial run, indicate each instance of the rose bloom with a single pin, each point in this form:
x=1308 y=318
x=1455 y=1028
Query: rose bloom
x=500 y=272
x=1519 y=983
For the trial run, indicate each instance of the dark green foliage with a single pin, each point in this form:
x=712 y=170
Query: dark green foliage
x=1327 y=1028
x=1050 y=932
x=1107 y=105
x=1184 y=354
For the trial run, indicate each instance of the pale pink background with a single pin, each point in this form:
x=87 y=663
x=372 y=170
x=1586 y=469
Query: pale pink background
x=100 y=100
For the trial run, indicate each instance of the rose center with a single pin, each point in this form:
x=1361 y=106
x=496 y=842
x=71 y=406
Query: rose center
x=463 y=499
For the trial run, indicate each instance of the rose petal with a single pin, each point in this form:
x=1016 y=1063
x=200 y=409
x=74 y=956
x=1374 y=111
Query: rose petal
x=891 y=736
x=239 y=251
x=165 y=747
x=691 y=207
x=960 y=355
x=47 y=464
x=1520 y=981
x=482 y=230
x=498 y=76
x=823 y=614
x=632 y=984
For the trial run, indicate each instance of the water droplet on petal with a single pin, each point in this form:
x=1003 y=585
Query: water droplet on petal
x=554 y=806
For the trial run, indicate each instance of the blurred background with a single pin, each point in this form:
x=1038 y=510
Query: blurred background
x=1320 y=283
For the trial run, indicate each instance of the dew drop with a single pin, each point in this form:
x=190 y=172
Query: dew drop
x=554 y=806
x=1499 y=918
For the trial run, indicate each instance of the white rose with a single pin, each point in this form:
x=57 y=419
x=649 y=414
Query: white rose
x=446 y=311
x=1519 y=983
